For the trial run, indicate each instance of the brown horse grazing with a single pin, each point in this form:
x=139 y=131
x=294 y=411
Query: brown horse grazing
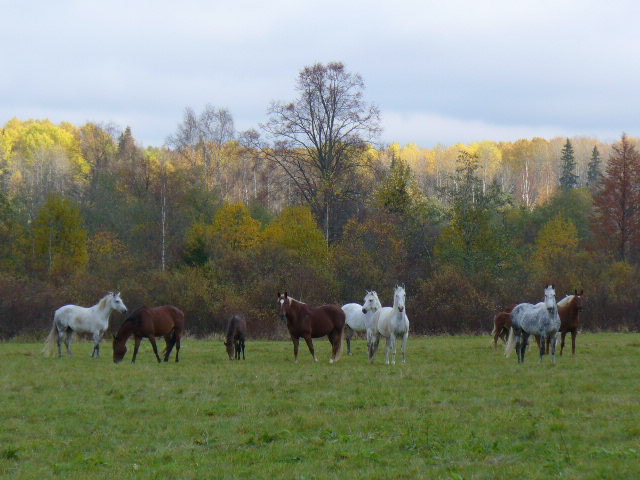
x=308 y=322
x=501 y=325
x=236 y=334
x=569 y=309
x=166 y=321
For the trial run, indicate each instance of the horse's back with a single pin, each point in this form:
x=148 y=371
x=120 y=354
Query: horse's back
x=78 y=318
x=326 y=318
x=159 y=320
x=354 y=316
x=236 y=327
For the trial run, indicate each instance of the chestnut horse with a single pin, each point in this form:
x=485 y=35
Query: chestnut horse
x=308 y=322
x=166 y=321
x=501 y=325
x=569 y=309
x=236 y=334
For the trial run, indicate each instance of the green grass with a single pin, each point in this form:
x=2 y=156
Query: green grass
x=457 y=409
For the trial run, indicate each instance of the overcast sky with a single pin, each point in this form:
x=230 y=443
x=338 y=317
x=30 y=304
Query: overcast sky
x=440 y=71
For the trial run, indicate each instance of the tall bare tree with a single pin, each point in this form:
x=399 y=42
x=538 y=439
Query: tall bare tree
x=318 y=138
x=200 y=139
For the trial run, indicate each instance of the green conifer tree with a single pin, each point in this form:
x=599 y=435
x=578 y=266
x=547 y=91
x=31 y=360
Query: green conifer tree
x=593 y=171
x=568 y=177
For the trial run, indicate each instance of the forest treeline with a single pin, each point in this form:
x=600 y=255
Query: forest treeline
x=217 y=222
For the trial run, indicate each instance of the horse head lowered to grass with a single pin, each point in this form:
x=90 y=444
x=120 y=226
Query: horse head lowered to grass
x=166 y=321
x=236 y=335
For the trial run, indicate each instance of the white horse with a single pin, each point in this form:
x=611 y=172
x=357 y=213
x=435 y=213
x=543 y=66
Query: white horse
x=93 y=320
x=360 y=317
x=540 y=319
x=391 y=322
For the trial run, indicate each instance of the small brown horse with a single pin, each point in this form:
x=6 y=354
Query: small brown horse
x=501 y=325
x=166 y=321
x=236 y=334
x=569 y=318
x=569 y=309
x=308 y=322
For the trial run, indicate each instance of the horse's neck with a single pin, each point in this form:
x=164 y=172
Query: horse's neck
x=569 y=308
x=102 y=310
x=125 y=331
x=297 y=307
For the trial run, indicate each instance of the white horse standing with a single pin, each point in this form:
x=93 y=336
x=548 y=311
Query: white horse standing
x=391 y=322
x=359 y=318
x=540 y=319
x=93 y=320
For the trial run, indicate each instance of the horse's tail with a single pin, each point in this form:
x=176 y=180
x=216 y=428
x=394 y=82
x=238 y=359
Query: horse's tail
x=172 y=342
x=511 y=343
x=340 y=342
x=50 y=342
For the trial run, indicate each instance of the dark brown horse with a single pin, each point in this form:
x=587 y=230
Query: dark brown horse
x=236 y=334
x=501 y=325
x=308 y=322
x=166 y=321
x=569 y=309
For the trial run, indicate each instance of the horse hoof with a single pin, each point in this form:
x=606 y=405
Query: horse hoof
x=331 y=360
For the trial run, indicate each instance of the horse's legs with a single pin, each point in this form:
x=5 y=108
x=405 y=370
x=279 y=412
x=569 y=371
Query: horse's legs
x=60 y=333
x=404 y=347
x=67 y=340
x=562 y=335
x=387 y=348
x=310 y=345
x=296 y=342
x=152 y=339
x=525 y=343
x=334 y=339
x=543 y=345
x=393 y=349
x=348 y=336
x=177 y=343
x=135 y=348
x=97 y=337
x=553 y=347
x=573 y=342
x=518 y=334
x=170 y=342
x=373 y=346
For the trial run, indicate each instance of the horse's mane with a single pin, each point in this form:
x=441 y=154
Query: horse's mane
x=103 y=301
x=296 y=300
x=566 y=300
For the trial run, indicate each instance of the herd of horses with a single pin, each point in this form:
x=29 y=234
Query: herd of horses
x=544 y=320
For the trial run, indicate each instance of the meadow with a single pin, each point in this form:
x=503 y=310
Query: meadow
x=456 y=410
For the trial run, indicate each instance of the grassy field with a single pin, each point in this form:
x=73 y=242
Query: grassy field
x=457 y=409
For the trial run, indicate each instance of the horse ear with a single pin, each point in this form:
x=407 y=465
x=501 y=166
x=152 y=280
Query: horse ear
x=575 y=292
x=286 y=295
x=278 y=294
x=581 y=292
